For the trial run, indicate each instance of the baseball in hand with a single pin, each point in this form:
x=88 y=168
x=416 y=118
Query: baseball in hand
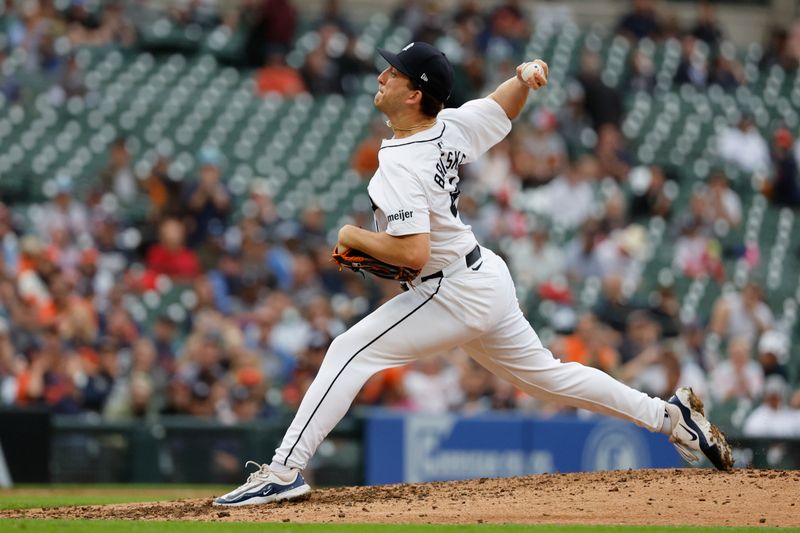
x=530 y=70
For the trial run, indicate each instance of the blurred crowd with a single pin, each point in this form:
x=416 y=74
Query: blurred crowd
x=211 y=304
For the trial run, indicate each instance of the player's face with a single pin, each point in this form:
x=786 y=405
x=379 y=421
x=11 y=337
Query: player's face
x=393 y=90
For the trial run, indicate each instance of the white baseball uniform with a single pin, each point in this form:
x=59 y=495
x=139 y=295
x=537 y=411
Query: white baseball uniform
x=464 y=297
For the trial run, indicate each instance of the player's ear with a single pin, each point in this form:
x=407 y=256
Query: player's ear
x=414 y=97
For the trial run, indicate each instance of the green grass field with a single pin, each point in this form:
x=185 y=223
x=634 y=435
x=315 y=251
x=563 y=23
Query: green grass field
x=28 y=497
x=63 y=495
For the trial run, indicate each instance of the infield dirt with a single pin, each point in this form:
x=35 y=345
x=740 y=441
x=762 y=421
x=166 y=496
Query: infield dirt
x=644 y=497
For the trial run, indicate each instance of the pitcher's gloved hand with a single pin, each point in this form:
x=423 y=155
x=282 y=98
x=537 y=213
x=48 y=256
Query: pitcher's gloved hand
x=358 y=261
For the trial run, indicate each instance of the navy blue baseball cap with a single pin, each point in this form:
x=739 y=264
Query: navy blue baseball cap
x=426 y=67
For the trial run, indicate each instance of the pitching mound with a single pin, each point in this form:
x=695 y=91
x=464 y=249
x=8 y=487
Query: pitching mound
x=654 y=497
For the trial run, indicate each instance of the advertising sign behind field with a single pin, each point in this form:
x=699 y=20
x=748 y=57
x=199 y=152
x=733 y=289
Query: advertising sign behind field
x=413 y=448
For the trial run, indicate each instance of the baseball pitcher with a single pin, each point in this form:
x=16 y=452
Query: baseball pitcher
x=459 y=293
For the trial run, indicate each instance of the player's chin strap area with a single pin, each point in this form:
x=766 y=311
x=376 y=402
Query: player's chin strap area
x=472 y=260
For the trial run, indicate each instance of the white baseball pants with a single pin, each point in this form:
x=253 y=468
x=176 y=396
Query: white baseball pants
x=476 y=310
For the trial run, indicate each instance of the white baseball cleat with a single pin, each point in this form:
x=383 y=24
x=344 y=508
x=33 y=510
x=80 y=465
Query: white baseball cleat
x=265 y=486
x=692 y=432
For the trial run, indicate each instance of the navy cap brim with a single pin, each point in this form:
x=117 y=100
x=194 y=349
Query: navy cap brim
x=394 y=61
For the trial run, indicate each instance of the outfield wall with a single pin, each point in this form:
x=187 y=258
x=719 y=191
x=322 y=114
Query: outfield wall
x=369 y=446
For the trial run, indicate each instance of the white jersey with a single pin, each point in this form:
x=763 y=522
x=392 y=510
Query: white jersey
x=415 y=189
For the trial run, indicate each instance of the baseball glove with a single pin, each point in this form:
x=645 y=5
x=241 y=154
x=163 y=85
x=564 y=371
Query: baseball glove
x=358 y=261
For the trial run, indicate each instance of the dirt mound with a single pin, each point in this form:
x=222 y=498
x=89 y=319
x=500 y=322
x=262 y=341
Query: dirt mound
x=662 y=497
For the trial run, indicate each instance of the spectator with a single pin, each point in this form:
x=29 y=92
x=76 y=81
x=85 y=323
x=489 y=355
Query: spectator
x=614 y=306
x=642 y=74
x=691 y=346
x=664 y=306
x=110 y=256
x=603 y=103
x=590 y=346
x=615 y=215
x=101 y=372
x=622 y=253
x=410 y=14
x=493 y=172
x=11 y=87
x=574 y=122
x=773 y=418
x=553 y=14
x=725 y=71
x=707 y=28
x=506 y=32
x=652 y=195
x=207 y=200
x=500 y=218
x=271 y=27
x=656 y=371
x=320 y=73
x=475 y=383
x=354 y=65
x=697 y=255
x=662 y=370
x=738 y=377
x=10 y=365
x=117 y=24
x=365 y=157
x=49 y=379
x=278 y=77
x=724 y=204
x=178 y=398
x=774 y=48
x=793 y=46
x=308 y=363
x=784 y=188
x=640 y=22
x=698 y=214
x=259 y=212
x=432 y=386
x=312 y=226
x=170 y=256
x=63 y=212
x=276 y=362
x=9 y=243
x=117 y=178
x=74 y=318
x=569 y=199
x=162 y=192
x=35 y=269
x=431 y=25
x=693 y=66
x=535 y=260
x=773 y=353
x=580 y=254
x=781 y=49
x=332 y=14
x=611 y=154
x=165 y=344
x=642 y=334
x=742 y=313
x=71 y=83
x=744 y=146
x=247 y=403
x=136 y=400
x=539 y=154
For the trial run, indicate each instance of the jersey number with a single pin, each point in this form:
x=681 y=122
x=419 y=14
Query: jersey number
x=447 y=162
x=454 y=201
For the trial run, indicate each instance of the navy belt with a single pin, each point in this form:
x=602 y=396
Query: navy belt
x=471 y=258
